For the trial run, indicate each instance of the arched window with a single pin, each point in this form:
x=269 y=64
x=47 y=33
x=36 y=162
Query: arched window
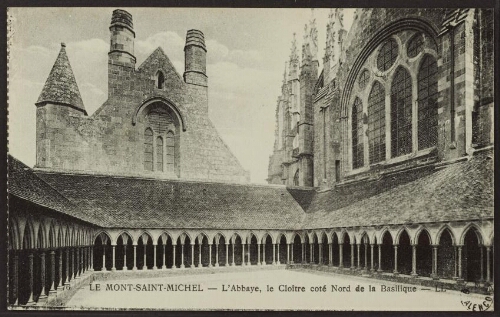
x=387 y=55
x=357 y=134
x=376 y=123
x=427 y=103
x=296 y=179
x=415 y=45
x=160 y=80
x=148 y=150
x=363 y=78
x=159 y=154
x=170 y=151
x=401 y=99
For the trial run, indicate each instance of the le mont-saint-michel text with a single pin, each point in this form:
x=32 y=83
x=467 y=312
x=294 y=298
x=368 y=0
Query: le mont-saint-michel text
x=242 y=288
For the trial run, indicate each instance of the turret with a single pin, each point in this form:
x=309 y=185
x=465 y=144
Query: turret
x=195 y=53
x=122 y=34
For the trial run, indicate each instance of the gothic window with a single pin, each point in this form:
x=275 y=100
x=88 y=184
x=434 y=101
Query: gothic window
x=160 y=139
x=170 y=151
x=415 y=45
x=427 y=103
x=357 y=134
x=148 y=150
x=160 y=80
x=401 y=104
x=296 y=179
x=376 y=123
x=159 y=154
x=387 y=55
x=363 y=79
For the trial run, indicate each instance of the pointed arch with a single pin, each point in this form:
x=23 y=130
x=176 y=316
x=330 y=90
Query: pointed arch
x=14 y=233
x=104 y=236
x=53 y=242
x=160 y=79
x=401 y=112
x=427 y=102
x=399 y=233
x=477 y=231
x=357 y=134
x=376 y=123
x=440 y=233
x=126 y=236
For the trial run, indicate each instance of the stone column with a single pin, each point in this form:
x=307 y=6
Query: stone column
x=192 y=255
x=227 y=254
x=242 y=254
x=91 y=259
x=258 y=254
x=77 y=263
x=302 y=249
x=182 y=256
x=209 y=255
x=320 y=253
x=311 y=254
x=352 y=256
x=113 y=268
x=52 y=290
x=488 y=269
x=61 y=281
x=278 y=258
x=164 y=266
x=274 y=253
x=30 y=272
x=103 y=258
x=125 y=257
x=43 y=296
x=434 y=262
x=396 y=260
x=173 y=257
x=155 y=246
x=379 y=258
x=459 y=249
x=291 y=253
x=414 y=260
x=15 y=277
x=248 y=254
x=264 y=254
x=358 y=247
x=217 y=254
x=341 y=257
x=68 y=278
x=145 y=263
x=330 y=255
x=482 y=263
x=288 y=253
x=135 y=258
x=371 y=256
x=366 y=257
x=232 y=246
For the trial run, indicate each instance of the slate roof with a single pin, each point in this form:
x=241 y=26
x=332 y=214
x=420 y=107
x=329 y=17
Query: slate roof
x=151 y=203
x=61 y=86
x=459 y=191
x=25 y=184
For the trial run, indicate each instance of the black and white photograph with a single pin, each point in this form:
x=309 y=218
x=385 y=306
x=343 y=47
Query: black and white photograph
x=250 y=159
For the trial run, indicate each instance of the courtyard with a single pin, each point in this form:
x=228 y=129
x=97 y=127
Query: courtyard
x=266 y=289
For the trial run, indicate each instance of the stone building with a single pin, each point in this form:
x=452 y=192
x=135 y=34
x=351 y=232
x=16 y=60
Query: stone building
x=386 y=154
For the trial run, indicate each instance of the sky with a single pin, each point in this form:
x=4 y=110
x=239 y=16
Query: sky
x=247 y=51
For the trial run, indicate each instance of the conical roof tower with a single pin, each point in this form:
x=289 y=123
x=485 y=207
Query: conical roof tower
x=60 y=87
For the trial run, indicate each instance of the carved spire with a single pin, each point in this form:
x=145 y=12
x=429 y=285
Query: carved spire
x=335 y=34
x=305 y=45
x=313 y=37
x=294 y=60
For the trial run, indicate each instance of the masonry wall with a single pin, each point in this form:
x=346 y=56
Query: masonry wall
x=109 y=142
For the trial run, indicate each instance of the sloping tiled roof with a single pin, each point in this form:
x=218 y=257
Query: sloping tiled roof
x=152 y=203
x=23 y=183
x=61 y=86
x=459 y=191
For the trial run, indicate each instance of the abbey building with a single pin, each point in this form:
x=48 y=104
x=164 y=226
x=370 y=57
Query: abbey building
x=384 y=156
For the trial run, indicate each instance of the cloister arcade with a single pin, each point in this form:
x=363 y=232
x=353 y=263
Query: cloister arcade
x=48 y=253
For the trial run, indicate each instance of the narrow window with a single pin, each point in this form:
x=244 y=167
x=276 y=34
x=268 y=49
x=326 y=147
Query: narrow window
x=148 y=150
x=415 y=45
x=337 y=170
x=357 y=134
x=376 y=123
x=401 y=99
x=159 y=154
x=170 y=151
x=160 y=80
x=427 y=103
x=296 y=179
